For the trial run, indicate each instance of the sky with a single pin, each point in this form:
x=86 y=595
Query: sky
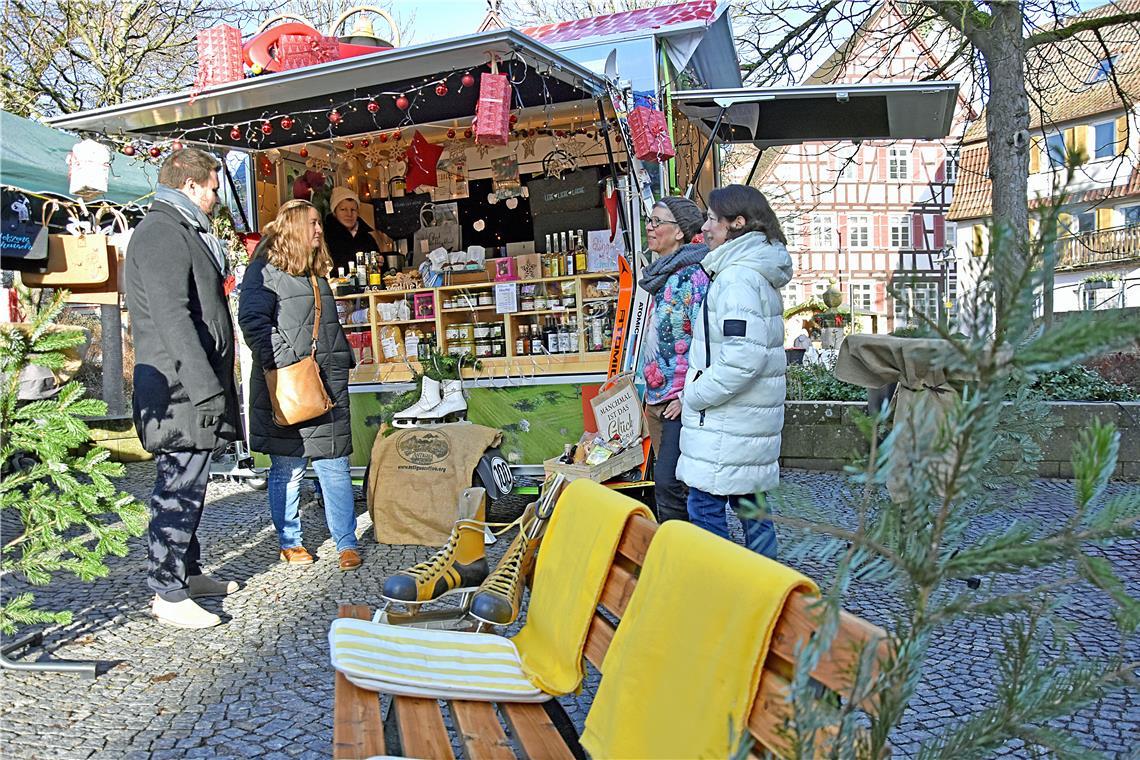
x=443 y=19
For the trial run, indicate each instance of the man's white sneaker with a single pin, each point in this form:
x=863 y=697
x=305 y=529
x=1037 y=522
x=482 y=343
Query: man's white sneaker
x=204 y=585
x=184 y=614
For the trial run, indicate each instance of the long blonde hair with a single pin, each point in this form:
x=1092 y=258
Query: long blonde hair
x=288 y=247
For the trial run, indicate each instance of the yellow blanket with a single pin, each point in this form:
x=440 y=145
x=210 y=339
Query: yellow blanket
x=571 y=569
x=679 y=678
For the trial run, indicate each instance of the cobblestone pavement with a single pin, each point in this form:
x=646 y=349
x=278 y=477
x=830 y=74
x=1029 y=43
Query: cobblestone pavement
x=260 y=685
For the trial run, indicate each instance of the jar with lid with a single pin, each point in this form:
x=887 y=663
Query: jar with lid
x=540 y=302
x=483 y=349
x=527 y=303
x=498 y=348
x=486 y=299
x=482 y=331
x=522 y=341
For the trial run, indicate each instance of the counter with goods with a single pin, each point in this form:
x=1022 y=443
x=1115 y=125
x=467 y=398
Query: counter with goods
x=542 y=326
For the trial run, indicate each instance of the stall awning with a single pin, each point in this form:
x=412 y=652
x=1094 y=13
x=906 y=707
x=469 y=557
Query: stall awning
x=33 y=158
x=791 y=115
x=307 y=95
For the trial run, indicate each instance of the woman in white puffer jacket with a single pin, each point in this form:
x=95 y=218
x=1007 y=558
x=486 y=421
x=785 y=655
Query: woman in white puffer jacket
x=733 y=400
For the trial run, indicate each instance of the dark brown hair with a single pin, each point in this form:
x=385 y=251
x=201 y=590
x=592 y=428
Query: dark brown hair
x=731 y=201
x=287 y=242
x=189 y=163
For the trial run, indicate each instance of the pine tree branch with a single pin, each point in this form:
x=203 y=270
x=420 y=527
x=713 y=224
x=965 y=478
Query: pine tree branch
x=854 y=537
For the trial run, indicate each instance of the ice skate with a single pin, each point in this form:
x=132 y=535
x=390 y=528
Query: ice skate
x=457 y=568
x=499 y=598
x=451 y=408
x=429 y=399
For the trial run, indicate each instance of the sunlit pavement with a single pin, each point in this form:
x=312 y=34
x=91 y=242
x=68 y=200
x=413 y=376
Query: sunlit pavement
x=260 y=685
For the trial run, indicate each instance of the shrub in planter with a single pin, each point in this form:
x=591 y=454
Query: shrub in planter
x=1079 y=383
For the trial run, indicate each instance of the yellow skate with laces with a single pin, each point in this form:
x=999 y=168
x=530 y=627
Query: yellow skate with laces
x=458 y=567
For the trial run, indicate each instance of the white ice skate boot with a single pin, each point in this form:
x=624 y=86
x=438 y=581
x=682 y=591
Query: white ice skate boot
x=429 y=399
x=452 y=408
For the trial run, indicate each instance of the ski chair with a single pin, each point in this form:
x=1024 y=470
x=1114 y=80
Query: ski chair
x=524 y=726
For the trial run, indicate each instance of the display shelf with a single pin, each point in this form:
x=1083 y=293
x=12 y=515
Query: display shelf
x=545 y=312
x=460 y=310
x=404 y=322
x=599 y=298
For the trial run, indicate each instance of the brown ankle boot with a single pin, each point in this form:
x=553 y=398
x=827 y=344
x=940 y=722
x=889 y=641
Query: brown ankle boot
x=349 y=559
x=296 y=555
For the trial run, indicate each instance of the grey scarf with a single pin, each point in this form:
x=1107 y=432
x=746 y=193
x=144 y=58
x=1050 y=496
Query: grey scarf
x=198 y=220
x=654 y=276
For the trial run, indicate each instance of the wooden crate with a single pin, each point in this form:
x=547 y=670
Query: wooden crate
x=611 y=468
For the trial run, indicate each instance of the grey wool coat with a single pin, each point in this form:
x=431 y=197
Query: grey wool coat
x=276 y=312
x=183 y=335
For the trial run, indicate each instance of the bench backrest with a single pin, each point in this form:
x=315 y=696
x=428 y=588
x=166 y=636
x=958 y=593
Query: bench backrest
x=770 y=710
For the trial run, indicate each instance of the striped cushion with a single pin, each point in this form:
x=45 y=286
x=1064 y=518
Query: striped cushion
x=419 y=662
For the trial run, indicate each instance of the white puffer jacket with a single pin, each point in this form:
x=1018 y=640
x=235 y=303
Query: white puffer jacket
x=733 y=402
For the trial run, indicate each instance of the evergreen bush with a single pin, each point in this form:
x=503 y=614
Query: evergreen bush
x=56 y=487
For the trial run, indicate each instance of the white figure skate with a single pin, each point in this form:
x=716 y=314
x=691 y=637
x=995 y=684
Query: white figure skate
x=438 y=405
x=429 y=399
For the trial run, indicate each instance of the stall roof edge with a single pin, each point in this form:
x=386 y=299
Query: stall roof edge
x=278 y=90
x=767 y=116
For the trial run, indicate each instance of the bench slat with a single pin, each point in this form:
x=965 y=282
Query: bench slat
x=357 y=729
x=635 y=539
x=617 y=589
x=598 y=640
x=422 y=732
x=837 y=664
x=480 y=731
x=537 y=735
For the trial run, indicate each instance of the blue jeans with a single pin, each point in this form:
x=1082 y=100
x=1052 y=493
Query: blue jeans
x=285 y=475
x=707 y=511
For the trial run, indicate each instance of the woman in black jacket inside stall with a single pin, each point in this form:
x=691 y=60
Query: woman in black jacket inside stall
x=345 y=232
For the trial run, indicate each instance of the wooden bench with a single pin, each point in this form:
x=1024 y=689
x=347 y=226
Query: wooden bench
x=510 y=730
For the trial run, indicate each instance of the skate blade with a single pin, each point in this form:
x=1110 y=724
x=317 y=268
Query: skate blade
x=441 y=620
x=406 y=603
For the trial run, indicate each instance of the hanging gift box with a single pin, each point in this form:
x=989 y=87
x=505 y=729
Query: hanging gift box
x=88 y=166
x=650 y=133
x=219 y=56
x=295 y=51
x=492 y=122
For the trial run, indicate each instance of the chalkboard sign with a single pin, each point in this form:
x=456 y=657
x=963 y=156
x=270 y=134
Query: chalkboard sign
x=23 y=238
x=576 y=191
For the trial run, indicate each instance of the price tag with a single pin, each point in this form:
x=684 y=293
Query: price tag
x=506 y=298
x=389 y=208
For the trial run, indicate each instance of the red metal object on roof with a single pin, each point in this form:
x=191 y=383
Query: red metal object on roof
x=639 y=20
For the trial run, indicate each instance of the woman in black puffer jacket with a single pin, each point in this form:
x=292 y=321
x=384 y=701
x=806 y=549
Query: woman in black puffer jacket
x=276 y=315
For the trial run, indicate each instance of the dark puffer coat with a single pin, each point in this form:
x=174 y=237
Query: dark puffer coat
x=183 y=335
x=276 y=316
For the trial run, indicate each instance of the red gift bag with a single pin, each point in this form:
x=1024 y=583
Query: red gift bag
x=295 y=51
x=492 y=121
x=219 y=56
x=650 y=133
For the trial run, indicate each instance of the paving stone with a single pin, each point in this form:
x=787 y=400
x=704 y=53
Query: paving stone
x=260 y=685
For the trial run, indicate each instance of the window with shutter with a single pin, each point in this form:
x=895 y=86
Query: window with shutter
x=1105 y=218
x=1121 y=134
x=1035 y=155
x=1104 y=140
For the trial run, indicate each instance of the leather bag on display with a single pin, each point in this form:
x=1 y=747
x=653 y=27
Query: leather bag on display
x=297 y=392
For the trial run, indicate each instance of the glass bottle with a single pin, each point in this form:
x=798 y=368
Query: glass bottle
x=582 y=254
x=573 y=335
x=563 y=337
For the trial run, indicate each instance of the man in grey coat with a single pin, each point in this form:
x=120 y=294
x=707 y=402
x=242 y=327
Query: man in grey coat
x=185 y=397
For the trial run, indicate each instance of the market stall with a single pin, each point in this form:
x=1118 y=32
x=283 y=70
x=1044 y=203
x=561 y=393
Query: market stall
x=496 y=243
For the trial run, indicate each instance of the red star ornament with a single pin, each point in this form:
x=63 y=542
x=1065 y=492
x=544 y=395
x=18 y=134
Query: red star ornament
x=422 y=159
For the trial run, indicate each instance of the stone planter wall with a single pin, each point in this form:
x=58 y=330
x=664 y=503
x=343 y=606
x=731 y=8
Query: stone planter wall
x=821 y=435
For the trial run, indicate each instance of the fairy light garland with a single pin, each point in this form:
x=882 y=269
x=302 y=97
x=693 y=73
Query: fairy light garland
x=321 y=123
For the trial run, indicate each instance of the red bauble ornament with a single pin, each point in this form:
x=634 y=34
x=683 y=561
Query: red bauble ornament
x=383 y=137
x=349 y=145
x=303 y=153
x=266 y=128
x=396 y=135
x=468 y=80
x=235 y=134
x=365 y=143
x=532 y=132
x=335 y=117
x=451 y=133
x=467 y=133
x=373 y=107
x=155 y=152
x=441 y=89
x=402 y=103
x=287 y=122
x=514 y=119
x=128 y=150
x=176 y=145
